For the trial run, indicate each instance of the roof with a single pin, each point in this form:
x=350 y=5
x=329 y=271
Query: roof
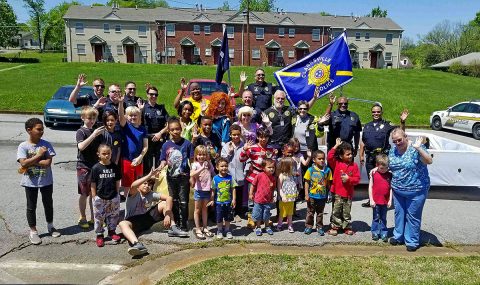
x=216 y=16
x=464 y=60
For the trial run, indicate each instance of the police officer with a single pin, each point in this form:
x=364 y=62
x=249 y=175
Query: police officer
x=261 y=90
x=96 y=100
x=114 y=93
x=130 y=98
x=375 y=138
x=281 y=117
x=154 y=118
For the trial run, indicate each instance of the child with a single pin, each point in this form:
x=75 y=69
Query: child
x=141 y=212
x=134 y=146
x=301 y=162
x=262 y=193
x=112 y=137
x=88 y=141
x=201 y=176
x=35 y=158
x=317 y=183
x=106 y=200
x=208 y=138
x=231 y=151
x=380 y=193
x=287 y=189
x=224 y=197
x=177 y=153
x=345 y=176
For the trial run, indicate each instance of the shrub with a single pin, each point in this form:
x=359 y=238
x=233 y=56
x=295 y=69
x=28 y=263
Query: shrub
x=474 y=69
x=19 y=59
x=458 y=68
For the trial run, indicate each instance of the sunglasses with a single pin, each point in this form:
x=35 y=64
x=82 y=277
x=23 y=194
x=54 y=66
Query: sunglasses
x=302 y=109
x=261 y=75
x=153 y=94
x=376 y=112
x=343 y=104
x=115 y=91
x=132 y=88
x=397 y=141
x=100 y=86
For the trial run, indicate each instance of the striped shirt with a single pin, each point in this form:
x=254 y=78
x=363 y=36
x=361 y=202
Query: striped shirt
x=256 y=154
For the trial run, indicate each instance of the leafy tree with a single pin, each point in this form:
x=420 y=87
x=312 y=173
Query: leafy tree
x=8 y=24
x=377 y=12
x=225 y=6
x=97 y=4
x=36 y=10
x=476 y=21
x=323 y=13
x=258 y=5
x=407 y=44
x=139 y=3
x=54 y=28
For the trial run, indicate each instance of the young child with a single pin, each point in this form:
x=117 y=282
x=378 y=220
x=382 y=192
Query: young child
x=201 y=180
x=301 y=162
x=345 y=176
x=35 y=157
x=262 y=193
x=106 y=200
x=236 y=168
x=142 y=212
x=317 y=183
x=287 y=190
x=380 y=193
x=177 y=153
x=208 y=138
x=112 y=137
x=88 y=141
x=224 y=197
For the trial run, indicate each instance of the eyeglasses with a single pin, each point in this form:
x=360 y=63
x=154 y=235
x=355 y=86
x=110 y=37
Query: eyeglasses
x=302 y=109
x=153 y=94
x=114 y=91
x=397 y=141
x=99 y=86
x=132 y=88
x=343 y=104
x=261 y=75
x=196 y=88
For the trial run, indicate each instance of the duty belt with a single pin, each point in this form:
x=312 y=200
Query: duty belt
x=376 y=151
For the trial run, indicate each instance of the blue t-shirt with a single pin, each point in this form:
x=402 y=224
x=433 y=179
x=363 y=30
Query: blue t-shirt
x=223 y=187
x=132 y=144
x=36 y=176
x=177 y=156
x=409 y=173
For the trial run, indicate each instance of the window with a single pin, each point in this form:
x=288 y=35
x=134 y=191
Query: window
x=208 y=52
x=79 y=28
x=336 y=34
x=291 y=54
x=259 y=33
x=120 y=49
x=80 y=48
x=315 y=34
x=142 y=31
x=196 y=29
x=459 y=108
x=367 y=37
x=389 y=39
x=256 y=53
x=388 y=56
x=206 y=29
x=118 y=28
x=106 y=28
x=231 y=52
x=472 y=108
x=280 y=53
x=170 y=30
x=358 y=36
x=291 y=33
x=281 y=32
x=108 y=51
x=196 y=51
x=365 y=55
x=230 y=32
x=170 y=51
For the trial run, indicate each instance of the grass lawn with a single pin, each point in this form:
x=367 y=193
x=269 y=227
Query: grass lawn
x=421 y=91
x=316 y=269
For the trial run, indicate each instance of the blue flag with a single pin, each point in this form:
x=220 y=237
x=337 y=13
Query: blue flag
x=326 y=69
x=223 y=59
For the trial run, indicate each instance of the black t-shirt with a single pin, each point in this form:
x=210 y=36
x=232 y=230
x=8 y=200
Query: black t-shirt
x=105 y=178
x=213 y=141
x=87 y=157
x=90 y=100
x=130 y=101
x=154 y=118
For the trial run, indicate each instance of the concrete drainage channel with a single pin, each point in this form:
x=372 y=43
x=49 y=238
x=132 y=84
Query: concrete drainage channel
x=152 y=271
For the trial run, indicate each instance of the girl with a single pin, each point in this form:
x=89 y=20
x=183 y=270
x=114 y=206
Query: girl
x=220 y=110
x=112 y=137
x=287 y=190
x=301 y=161
x=185 y=111
x=201 y=181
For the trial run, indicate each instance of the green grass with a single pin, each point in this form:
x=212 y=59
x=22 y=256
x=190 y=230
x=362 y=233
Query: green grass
x=316 y=269
x=421 y=91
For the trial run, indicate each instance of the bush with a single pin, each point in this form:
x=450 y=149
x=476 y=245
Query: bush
x=458 y=68
x=19 y=59
x=474 y=69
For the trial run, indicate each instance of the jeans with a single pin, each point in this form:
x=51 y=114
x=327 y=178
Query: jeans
x=261 y=212
x=47 y=200
x=379 y=221
x=408 y=215
x=179 y=190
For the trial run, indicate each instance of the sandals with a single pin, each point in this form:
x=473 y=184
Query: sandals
x=198 y=234
x=207 y=233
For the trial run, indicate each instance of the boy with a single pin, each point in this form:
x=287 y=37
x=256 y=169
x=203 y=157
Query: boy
x=317 y=182
x=207 y=138
x=106 y=201
x=261 y=192
x=141 y=215
x=35 y=158
x=380 y=194
x=177 y=153
x=88 y=141
x=224 y=195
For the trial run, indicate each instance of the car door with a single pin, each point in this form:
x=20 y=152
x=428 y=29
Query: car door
x=472 y=115
x=453 y=117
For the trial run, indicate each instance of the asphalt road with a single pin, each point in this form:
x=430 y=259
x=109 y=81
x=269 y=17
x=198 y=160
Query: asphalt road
x=451 y=215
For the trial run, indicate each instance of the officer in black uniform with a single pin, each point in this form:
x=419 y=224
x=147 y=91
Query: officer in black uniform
x=114 y=93
x=130 y=98
x=154 y=118
x=375 y=138
x=96 y=100
x=262 y=91
x=281 y=117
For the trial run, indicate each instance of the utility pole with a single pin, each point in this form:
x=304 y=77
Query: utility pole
x=248 y=33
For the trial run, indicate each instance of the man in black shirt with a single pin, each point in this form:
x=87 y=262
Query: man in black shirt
x=114 y=93
x=130 y=98
x=261 y=90
x=281 y=117
x=96 y=100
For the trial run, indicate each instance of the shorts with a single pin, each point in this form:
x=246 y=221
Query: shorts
x=84 y=180
x=201 y=195
x=130 y=173
x=286 y=208
x=224 y=212
x=143 y=222
x=261 y=212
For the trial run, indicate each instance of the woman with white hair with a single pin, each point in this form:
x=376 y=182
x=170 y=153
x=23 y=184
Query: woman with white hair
x=249 y=128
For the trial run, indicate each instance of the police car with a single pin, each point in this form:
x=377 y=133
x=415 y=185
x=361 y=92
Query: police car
x=464 y=117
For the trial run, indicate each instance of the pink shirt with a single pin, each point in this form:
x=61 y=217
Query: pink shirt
x=204 y=180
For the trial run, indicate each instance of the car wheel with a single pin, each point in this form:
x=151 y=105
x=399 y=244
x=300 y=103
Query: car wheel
x=436 y=124
x=476 y=131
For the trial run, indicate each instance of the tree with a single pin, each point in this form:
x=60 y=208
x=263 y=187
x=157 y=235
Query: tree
x=225 y=6
x=377 y=12
x=54 y=27
x=8 y=24
x=476 y=21
x=323 y=13
x=37 y=12
x=258 y=5
x=139 y=3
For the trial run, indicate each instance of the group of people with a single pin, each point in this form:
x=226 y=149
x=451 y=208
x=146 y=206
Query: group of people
x=241 y=160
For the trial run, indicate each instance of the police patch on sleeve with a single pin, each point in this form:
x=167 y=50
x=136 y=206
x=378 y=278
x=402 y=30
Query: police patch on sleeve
x=287 y=113
x=271 y=115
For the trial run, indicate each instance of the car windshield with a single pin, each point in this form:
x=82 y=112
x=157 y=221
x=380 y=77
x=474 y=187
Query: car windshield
x=209 y=87
x=64 y=92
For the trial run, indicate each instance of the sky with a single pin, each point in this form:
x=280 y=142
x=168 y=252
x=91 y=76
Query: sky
x=416 y=17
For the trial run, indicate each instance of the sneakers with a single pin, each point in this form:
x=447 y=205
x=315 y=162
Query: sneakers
x=375 y=237
x=229 y=235
x=394 y=241
x=34 y=238
x=348 y=231
x=279 y=227
x=83 y=223
x=116 y=238
x=258 y=231
x=175 y=231
x=137 y=249
x=53 y=232
x=366 y=204
x=269 y=231
x=307 y=231
x=219 y=235
x=99 y=241
x=384 y=238
x=411 y=248
x=320 y=232
x=290 y=229
x=332 y=232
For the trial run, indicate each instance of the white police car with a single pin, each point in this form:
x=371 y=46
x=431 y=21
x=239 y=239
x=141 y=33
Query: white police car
x=464 y=117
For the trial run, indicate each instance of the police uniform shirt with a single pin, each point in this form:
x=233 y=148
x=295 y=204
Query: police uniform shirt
x=130 y=101
x=375 y=135
x=88 y=100
x=343 y=125
x=262 y=94
x=154 y=118
x=110 y=106
x=281 y=124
